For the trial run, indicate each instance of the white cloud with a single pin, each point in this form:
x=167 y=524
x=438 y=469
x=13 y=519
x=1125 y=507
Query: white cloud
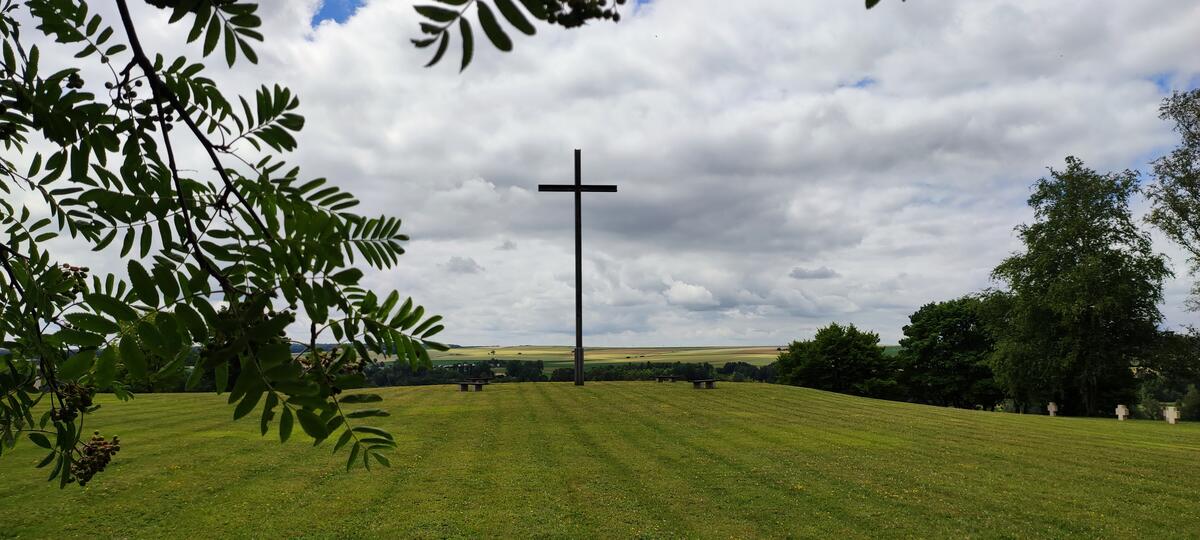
x=689 y=295
x=462 y=265
x=743 y=151
x=823 y=272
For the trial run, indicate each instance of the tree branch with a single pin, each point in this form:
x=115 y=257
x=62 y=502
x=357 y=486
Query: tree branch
x=160 y=88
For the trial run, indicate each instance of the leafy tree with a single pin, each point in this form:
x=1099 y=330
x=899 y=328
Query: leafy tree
x=222 y=255
x=1168 y=368
x=1191 y=404
x=1082 y=299
x=517 y=370
x=839 y=359
x=943 y=360
x=1175 y=192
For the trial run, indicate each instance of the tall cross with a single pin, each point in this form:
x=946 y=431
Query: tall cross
x=578 y=188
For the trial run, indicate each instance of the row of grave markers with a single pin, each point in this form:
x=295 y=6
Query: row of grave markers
x=1171 y=414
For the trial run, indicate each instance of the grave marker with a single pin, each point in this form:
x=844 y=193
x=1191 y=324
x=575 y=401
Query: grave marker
x=1171 y=414
x=1053 y=408
x=1122 y=412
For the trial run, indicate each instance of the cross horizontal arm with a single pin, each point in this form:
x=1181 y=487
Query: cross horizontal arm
x=570 y=188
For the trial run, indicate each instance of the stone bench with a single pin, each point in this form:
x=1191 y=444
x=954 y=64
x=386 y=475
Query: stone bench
x=463 y=385
x=668 y=378
x=708 y=383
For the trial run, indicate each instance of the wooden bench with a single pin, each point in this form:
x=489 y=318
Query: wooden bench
x=669 y=378
x=478 y=384
x=708 y=383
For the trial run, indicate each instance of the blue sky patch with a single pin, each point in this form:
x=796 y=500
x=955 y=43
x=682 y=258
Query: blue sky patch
x=1171 y=81
x=865 y=82
x=336 y=10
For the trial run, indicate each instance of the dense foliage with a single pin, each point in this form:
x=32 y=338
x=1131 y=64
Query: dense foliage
x=840 y=359
x=1082 y=302
x=943 y=360
x=222 y=256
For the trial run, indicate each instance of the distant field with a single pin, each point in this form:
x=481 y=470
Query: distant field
x=625 y=459
x=555 y=357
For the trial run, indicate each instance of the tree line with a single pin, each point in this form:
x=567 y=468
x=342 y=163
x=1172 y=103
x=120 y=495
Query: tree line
x=1074 y=319
x=404 y=374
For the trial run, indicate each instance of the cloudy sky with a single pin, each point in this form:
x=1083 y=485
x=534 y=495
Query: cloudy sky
x=781 y=164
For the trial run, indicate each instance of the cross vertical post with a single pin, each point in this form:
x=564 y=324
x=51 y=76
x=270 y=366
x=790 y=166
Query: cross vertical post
x=578 y=188
x=578 y=268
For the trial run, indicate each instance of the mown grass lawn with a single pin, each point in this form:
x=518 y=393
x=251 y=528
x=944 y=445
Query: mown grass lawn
x=622 y=459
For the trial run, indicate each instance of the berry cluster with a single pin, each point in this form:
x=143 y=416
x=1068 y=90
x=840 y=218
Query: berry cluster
x=575 y=13
x=76 y=276
x=74 y=398
x=94 y=457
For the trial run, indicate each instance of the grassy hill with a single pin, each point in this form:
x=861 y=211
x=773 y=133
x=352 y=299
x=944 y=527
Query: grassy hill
x=626 y=459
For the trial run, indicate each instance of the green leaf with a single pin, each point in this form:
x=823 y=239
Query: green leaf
x=214 y=33
x=353 y=456
x=443 y=44
x=285 y=425
x=166 y=281
x=132 y=357
x=379 y=441
x=192 y=320
x=268 y=412
x=77 y=365
x=492 y=29
x=143 y=285
x=311 y=423
x=106 y=367
x=40 y=440
x=468 y=42
x=92 y=323
x=433 y=331
x=425 y=325
x=113 y=307
x=349 y=276
x=515 y=17
x=373 y=431
x=345 y=438
x=247 y=404
x=80 y=338
x=230 y=48
x=437 y=13
x=46 y=460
